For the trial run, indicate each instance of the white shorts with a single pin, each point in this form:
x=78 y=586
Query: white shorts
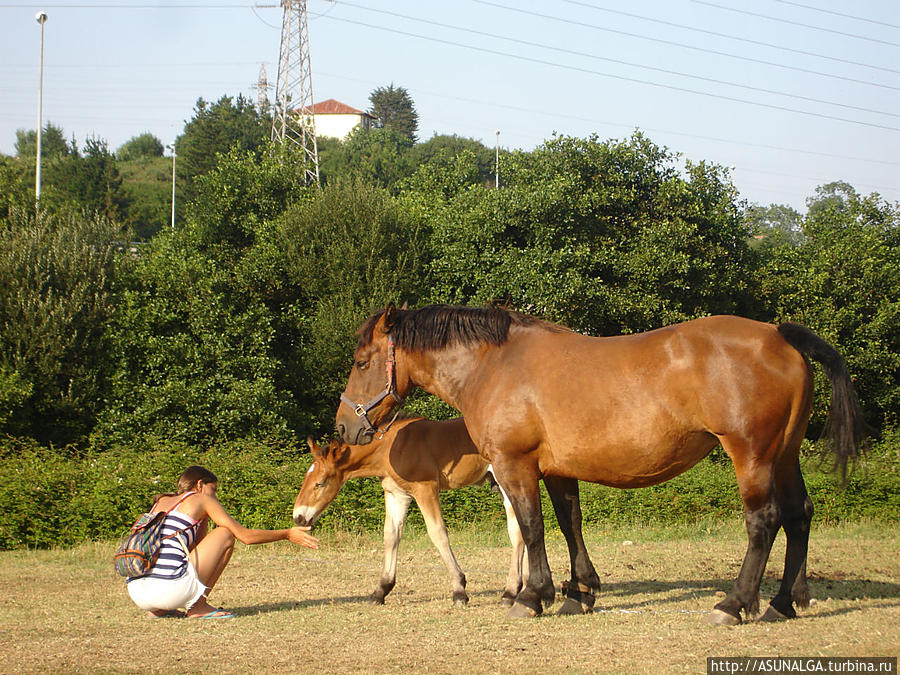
x=151 y=594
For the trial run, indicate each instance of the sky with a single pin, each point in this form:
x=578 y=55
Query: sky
x=788 y=94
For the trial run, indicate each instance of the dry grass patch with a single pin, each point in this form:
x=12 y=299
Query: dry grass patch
x=305 y=611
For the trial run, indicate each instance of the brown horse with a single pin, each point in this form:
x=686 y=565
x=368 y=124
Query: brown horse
x=415 y=459
x=541 y=401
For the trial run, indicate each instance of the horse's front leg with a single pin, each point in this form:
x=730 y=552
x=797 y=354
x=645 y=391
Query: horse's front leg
x=396 y=505
x=585 y=583
x=520 y=483
x=430 y=506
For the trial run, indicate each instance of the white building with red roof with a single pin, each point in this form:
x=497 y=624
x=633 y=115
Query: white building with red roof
x=336 y=120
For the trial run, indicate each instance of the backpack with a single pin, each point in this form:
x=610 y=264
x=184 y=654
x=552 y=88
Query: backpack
x=139 y=549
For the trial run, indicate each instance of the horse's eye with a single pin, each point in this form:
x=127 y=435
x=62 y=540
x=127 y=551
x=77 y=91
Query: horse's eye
x=321 y=485
x=362 y=364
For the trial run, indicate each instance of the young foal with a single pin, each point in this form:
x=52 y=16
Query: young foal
x=415 y=459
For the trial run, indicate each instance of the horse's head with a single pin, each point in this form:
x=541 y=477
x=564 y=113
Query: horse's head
x=376 y=384
x=323 y=481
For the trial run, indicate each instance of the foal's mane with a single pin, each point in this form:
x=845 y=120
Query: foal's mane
x=439 y=326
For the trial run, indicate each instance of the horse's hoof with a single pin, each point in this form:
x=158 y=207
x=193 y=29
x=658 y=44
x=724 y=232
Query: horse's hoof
x=771 y=615
x=573 y=607
x=719 y=618
x=460 y=599
x=506 y=601
x=375 y=600
x=518 y=611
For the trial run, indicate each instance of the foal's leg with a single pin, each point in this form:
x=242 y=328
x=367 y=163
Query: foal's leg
x=521 y=485
x=762 y=517
x=585 y=583
x=518 y=566
x=396 y=503
x=797 y=512
x=430 y=506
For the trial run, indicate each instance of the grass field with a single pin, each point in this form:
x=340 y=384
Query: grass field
x=300 y=610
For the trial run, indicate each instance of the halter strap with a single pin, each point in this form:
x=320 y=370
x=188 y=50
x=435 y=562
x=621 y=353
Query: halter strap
x=362 y=409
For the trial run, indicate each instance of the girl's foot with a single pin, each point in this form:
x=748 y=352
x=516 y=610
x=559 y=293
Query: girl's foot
x=217 y=613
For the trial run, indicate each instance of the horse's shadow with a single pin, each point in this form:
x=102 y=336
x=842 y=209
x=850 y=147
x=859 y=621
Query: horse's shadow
x=287 y=606
x=652 y=595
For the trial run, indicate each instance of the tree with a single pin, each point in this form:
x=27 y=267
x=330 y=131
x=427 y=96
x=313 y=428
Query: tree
x=773 y=225
x=451 y=145
x=837 y=196
x=144 y=146
x=56 y=279
x=215 y=129
x=53 y=143
x=147 y=184
x=843 y=282
x=191 y=356
x=345 y=252
x=393 y=108
x=376 y=157
x=604 y=237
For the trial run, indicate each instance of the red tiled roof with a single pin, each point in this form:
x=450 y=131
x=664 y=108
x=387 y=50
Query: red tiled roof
x=332 y=107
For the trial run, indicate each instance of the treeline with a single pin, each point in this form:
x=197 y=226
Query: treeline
x=238 y=325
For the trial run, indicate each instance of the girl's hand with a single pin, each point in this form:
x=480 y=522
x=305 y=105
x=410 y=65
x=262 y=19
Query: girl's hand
x=300 y=536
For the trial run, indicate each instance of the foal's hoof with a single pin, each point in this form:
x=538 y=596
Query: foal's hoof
x=507 y=600
x=518 y=611
x=460 y=599
x=771 y=615
x=376 y=600
x=573 y=607
x=719 y=618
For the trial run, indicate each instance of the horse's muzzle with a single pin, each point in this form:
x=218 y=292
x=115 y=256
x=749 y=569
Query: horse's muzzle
x=354 y=433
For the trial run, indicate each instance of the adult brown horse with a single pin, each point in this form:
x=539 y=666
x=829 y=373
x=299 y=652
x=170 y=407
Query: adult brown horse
x=415 y=459
x=541 y=401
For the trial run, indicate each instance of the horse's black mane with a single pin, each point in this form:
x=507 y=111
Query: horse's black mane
x=439 y=326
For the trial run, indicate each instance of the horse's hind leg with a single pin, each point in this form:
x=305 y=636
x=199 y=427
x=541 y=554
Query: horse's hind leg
x=585 y=583
x=797 y=512
x=762 y=516
x=518 y=566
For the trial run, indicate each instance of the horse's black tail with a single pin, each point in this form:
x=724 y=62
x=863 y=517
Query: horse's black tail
x=845 y=427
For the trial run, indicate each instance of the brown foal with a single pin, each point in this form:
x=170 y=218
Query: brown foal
x=543 y=402
x=415 y=459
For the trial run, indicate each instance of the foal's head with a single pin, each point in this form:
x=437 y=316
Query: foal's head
x=324 y=479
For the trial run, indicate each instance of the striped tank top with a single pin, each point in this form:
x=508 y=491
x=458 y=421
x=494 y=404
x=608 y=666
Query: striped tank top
x=173 y=555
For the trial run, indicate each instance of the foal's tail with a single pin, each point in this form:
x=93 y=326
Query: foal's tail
x=845 y=427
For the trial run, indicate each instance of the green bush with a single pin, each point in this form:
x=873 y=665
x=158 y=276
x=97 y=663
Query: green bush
x=51 y=496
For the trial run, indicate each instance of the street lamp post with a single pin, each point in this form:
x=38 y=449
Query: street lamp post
x=172 y=148
x=497 y=161
x=41 y=18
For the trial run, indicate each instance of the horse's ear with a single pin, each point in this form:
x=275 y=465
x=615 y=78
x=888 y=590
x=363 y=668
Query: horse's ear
x=389 y=317
x=312 y=444
x=344 y=455
x=405 y=305
x=333 y=448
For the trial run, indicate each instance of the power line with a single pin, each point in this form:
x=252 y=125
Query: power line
x=795 y=23
x=841 y=14
x=730 y=37
x=666 y=71
x=624 y=78
x=685 y=46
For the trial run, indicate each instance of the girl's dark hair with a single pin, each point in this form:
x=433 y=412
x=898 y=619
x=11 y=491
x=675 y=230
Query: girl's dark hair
x=188 y=479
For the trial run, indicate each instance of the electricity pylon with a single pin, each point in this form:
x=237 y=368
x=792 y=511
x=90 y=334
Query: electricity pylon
x=262 y=89
x=293 y=123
